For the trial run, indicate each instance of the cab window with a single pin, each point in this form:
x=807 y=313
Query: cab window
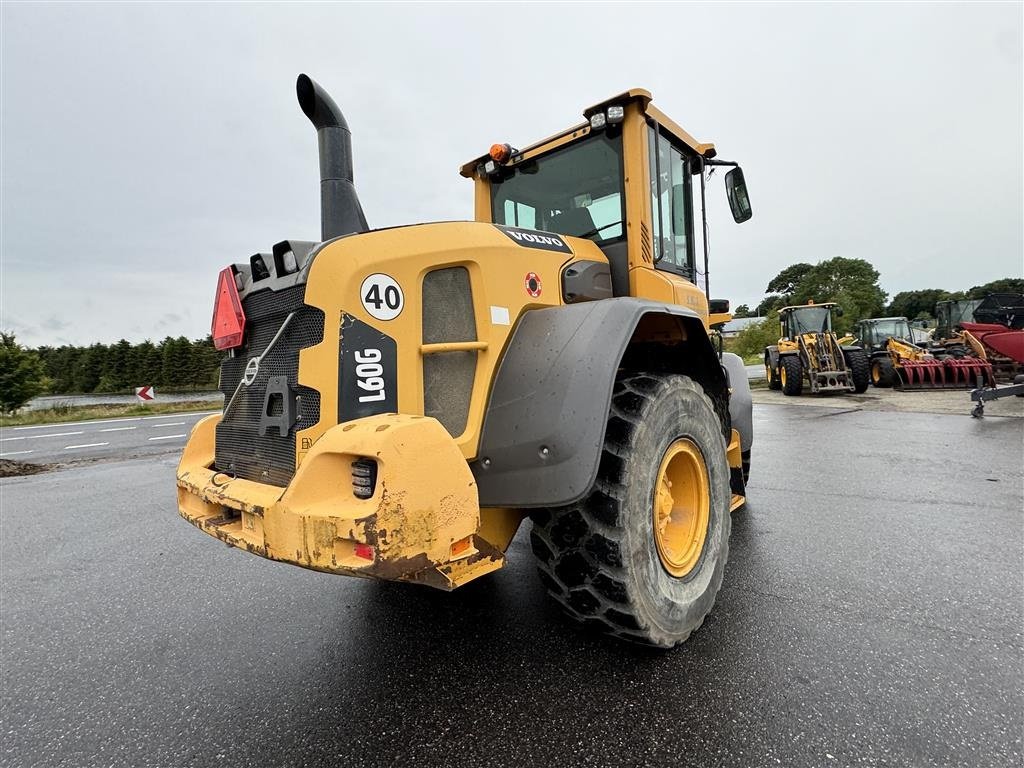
x=575 y=190
x=671 y=206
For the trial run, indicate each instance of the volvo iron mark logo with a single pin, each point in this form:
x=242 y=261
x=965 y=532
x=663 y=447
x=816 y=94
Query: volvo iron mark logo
x=251 y=369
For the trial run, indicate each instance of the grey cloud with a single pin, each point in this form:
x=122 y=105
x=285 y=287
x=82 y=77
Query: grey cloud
x=176 y=147
x=54 y=323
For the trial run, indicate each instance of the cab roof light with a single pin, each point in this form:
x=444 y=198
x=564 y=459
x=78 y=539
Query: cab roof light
x=615 y=114
x=228 y=325
x=501 y=153
x=598 y=120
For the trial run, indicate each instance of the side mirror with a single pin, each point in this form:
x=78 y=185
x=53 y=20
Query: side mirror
x=718 y=306
x=736 y=191
x=839 y=311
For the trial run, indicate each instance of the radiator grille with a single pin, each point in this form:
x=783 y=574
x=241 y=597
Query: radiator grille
x=447 y=388
x=448 y=376
x=448 y=306
x=241 y=450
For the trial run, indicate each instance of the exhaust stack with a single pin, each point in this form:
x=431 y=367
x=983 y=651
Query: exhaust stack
x=340 y=211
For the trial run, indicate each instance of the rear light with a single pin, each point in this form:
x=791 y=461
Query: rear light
x=364 y=551
x=228 y=326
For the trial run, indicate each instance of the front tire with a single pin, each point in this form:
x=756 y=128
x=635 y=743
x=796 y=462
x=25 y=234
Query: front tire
x=860 y=369
x=792 y=375
x=602 y=557
x=882 y=374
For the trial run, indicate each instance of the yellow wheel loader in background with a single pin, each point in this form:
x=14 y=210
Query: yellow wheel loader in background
x=896 y=361
x=808 y=350
x=398 y=401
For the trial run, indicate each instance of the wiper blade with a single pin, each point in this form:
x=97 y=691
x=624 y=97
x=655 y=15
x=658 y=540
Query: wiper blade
x=598 y=230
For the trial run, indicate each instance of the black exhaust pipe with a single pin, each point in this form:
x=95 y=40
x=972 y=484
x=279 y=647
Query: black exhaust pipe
x=340 y=211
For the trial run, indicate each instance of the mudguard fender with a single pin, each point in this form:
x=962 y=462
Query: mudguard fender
x=741 y=405
x=545 y=421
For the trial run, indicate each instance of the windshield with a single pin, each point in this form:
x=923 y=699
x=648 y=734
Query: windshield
x=809 y=320
x=883 y=329
x=575 y=190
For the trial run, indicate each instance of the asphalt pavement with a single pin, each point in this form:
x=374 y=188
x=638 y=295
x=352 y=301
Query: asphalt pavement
x=872 y=614
x=98 y=439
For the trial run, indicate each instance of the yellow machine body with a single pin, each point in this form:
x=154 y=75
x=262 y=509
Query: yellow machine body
x=424 y=521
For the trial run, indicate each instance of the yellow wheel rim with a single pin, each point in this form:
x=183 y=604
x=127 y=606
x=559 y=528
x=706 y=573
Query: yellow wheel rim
x=768 y=372
x=782 y=376
x=875 y=373
x=681 y=507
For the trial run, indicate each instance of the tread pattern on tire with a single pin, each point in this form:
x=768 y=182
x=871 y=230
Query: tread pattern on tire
x=860 y=368
x=794 y=383
x=772 y=374
x=578 y=547
x=886 y=372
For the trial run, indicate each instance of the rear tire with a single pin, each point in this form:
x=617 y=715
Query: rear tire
x=860 y=368
x=882 y=373
x=771 y=374
x=792 y=375
x=599 y=557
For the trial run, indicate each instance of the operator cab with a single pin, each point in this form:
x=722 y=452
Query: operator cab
x=807 y=318
x=623 y=179
x=874 y=334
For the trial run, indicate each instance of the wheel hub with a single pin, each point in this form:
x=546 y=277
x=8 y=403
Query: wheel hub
x=681 y=507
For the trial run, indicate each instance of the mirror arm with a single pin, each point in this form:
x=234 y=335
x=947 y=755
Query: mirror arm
x=730 y=163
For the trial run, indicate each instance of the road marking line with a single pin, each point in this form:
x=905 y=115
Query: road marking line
x=8 y=439
x=114 y=421
x=166 y=437
x=55 y=434
x=15 y=453
x=87 y=445
x=169 y=424
x=114 y=429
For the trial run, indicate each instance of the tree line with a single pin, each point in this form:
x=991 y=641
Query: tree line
x=856 y=280
x=174 y=363
x=853 y=284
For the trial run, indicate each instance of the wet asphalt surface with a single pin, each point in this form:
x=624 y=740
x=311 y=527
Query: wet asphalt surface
x=871 y=615
x=97 y=439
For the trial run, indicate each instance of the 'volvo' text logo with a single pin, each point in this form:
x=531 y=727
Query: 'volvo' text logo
x=251 y=369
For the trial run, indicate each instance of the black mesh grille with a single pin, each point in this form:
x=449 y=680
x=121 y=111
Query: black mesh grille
x=448 y=387
x=448 y=306
x=448 y=376
x=241 y=450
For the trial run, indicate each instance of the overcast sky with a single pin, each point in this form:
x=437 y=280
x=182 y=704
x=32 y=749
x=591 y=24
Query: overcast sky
x=146 y=146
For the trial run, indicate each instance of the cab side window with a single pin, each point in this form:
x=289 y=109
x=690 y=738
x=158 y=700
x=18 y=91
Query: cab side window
x=671 y=206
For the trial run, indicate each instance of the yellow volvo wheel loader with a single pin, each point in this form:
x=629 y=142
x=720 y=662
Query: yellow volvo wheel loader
x=399 y=401
x=808 y=351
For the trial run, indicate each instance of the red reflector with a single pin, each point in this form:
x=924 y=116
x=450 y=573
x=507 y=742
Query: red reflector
x=364 y=551
x=228 y=318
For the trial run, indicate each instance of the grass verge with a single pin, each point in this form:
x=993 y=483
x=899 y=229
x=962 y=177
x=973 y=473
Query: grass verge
x=61 y=413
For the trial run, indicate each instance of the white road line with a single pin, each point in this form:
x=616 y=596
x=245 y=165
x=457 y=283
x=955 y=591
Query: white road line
x=55 y=434
x=111 y=429
x=8 y=439
x=115 y=421
x=166 y=437
x=169 y=424
x=87 y=445
x=15 y=453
